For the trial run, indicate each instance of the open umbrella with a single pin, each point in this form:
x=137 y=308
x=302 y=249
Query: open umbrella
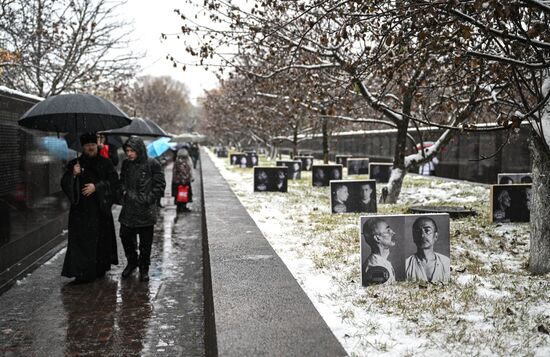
x=74 y=113
x=159 y=147
x=139 y=127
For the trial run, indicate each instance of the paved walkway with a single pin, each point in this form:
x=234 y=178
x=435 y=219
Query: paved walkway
x=259 y=308
x=45 y=316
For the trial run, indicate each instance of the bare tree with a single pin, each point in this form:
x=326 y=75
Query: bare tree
x=162 y=99
x=65 y=45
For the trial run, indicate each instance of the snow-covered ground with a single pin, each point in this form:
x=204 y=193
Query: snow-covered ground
x=491 y=306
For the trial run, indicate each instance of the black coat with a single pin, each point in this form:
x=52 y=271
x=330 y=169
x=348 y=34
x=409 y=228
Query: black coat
x=91 y=246
x=143 y=184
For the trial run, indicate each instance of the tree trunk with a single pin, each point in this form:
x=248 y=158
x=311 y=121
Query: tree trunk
x=539 y=257
x=325 y=141
x=399 y=171
x=295 y=142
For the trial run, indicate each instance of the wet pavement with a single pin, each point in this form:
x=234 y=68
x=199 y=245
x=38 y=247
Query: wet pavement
x=44 y=315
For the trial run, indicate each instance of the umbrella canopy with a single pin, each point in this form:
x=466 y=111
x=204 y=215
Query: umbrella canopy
x=139 y=127
x=73 y=141
x=74 y=113
x=159 y=147
x=55 y=146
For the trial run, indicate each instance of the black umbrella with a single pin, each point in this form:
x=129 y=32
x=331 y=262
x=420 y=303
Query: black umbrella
x=140 y=127
x=74 y=113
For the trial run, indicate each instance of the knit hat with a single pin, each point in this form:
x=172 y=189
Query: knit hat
x=88 y=138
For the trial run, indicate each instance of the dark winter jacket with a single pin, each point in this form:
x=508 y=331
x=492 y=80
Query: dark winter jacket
x=142 y=184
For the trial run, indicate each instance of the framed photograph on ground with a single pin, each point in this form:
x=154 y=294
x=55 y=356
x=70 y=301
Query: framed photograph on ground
x=380 y=171
x=322 y=174
x=294 y=168
x=236 y=158
x=412 y=247
x=270 y=179
x=353 y=196
x=510 y=203
x=221 y=152
x=511 y=178
x=251 y=159
x=358 y=166
x=342 y=159
x=307 y=162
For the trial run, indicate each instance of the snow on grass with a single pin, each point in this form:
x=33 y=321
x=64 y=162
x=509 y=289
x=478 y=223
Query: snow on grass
x=491 y=306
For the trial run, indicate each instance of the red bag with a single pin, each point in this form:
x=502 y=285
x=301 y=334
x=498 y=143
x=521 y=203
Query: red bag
x=183 y=194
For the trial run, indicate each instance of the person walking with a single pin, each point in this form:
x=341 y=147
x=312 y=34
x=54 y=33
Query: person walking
x=182 y=174
x=142 y=181
x=194 y=153
x=90 y=183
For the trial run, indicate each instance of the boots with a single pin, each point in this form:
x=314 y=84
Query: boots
x=144 y=273
x=128 y=270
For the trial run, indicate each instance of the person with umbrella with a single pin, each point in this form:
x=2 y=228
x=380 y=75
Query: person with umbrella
x=106 y=149
x=143 y=183
x=90 y=183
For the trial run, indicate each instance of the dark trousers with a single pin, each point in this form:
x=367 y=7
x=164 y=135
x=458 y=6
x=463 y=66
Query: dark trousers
x=128 y=236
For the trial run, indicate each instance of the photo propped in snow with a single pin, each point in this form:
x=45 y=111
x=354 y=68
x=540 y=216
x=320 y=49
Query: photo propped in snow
x=270 y=179
x=294 y=168
x=221 y=152
x=511 y=178
x=251 y=159
x=236 y=158
x=342 y=159
x=358 y=166
x=307 y=162
x=353 y=196
x=412 y=247
x=510 y=203
x=380 y=171
x=322 y=174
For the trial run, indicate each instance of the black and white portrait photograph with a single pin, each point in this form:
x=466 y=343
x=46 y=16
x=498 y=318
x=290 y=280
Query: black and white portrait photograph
x=307 y=162
x=322 y=174
x=251 y=159
x=294 y=168
x=511 y=178
x=353 y=196
x=358 y=166
x=342 y=159
x=412 y=247
x=221 y=152
x=510 y=203
x=270 y=179
x=236 y=158
x=380 y=171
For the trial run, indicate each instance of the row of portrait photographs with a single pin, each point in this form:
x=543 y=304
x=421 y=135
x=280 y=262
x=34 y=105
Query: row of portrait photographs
x=510 y=203
x=270 y=179
x=342 y=159
x=405 y=247
x=380 y=171
x=244 y=159
x=353 y=196
x=307 y=162
x=510 y=178
x=294 y=168
x=358 y=166
x=323 y=174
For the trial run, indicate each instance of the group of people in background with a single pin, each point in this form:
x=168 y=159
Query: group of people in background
x=92 y=185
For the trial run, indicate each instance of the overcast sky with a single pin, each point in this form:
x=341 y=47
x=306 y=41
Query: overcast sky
x=150 y=19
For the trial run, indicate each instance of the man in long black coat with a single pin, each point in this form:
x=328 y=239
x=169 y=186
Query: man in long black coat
x=90 y=182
